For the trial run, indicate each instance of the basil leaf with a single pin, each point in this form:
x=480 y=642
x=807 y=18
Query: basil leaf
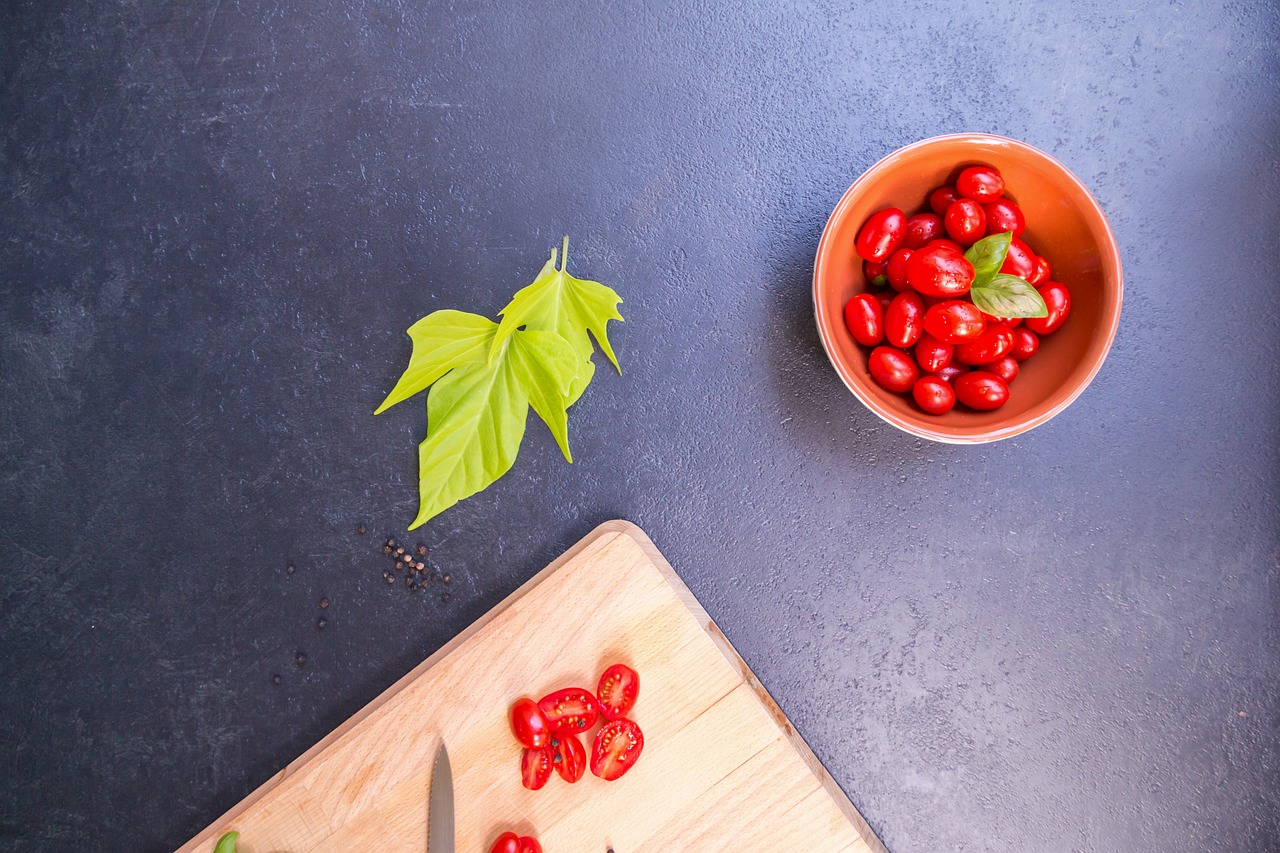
x=987 y=256
x=227 y=843
x=1008 y=296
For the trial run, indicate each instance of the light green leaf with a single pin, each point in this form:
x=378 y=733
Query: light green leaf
x=1008 y=296
x=442 y=341
x=546 y=365
x=571 y=307
x=227 y=843
x=987 y=256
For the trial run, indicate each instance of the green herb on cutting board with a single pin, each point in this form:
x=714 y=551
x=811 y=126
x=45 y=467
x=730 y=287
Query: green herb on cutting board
x=227 y=843
x=488 y=375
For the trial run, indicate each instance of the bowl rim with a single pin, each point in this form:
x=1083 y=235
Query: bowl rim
x=1110 y=252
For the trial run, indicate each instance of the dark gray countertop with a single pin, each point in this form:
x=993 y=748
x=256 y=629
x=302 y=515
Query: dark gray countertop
x=218 y=218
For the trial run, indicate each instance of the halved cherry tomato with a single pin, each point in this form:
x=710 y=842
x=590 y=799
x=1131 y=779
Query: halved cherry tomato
x=535 y=767
x=617 y=691
x=1006 y=368
x=932 y=354
x=904 y=321
x=954 y=321
x=881 y=234
x=570 y=710
x=569 y=758
x=529 y=724
x=983 y=184
x=508 y=842
x=1025 y=344
x=981 y=390
x=528 y=844
x=941 y=198
x=1041 y=275
x=865 y=319
x=994 y=342
x=933 y=395
x=921 y=229
x=1020 y=261
x=966 y=222
x=892 y=369
x=1058 y=299
x=939 y=270
x=874 y=272
x=898 y=270
x=949 y=373
x=1003 y=215
x=617 y=746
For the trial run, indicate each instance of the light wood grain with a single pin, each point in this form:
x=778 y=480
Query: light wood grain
x=722 y=767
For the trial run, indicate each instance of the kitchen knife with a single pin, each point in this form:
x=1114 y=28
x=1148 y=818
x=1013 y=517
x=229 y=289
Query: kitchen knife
x=440 y=837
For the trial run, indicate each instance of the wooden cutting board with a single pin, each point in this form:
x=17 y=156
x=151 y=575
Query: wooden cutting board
x=722 y=767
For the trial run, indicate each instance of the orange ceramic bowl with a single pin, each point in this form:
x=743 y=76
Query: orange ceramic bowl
x=1064 y=224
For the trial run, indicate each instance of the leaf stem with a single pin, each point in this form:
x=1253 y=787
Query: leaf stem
x=564 y=255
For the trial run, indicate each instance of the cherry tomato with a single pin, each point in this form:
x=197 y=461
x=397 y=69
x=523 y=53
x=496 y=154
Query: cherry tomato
x=904 y=321
x=1020 y=261
x=1025 y=344
x=939 y=270
x=933 y=395
x=528 y=844
x=1009 y=322
x=921 y=229
x=994 y=342
x=865 y=319
x=983 y=184
x=1041 y=275
x=885 y=297
x=954 y=321
x=508 y=842
x=941 y=198
x=1058 y=299
x=1006 y=368
x=535 y=767
x=874 y=272
x=898 y=270
x=617 y=746
x=1003 y=215
x=568 y=756
x=932 y=354
x=965 y=222
x=893 y=369
x=881 y=234
x=570 y=710
x=529 y=724
x=981 y=390
x=617 y=691
x=949 y=373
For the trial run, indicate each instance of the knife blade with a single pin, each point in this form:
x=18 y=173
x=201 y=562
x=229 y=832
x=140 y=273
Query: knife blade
x=440 y=836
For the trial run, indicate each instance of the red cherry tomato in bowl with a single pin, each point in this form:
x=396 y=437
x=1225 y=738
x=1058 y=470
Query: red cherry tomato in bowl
x=949 y=373
x=568 y=757
x=983 y=184
x=570 y=710
x=1041 y=275
x=966 y=222
x=535 y=767
x=898 y=270
x=529 y=724
x=881 y=234
x=922 y=229
x=892 y=369
x=994 y=342
x=1058 y=299
x=940 y=199
x=1006 y=368
x=617 y=691
x=874 y=273
x=904 y=321
x=1003 y=215
x=932 y=354
x=981 y=390
x=939 y=270
x=954 y=321
x=934 y=395
x=1025 y=344
x=617 y=746
x=1020 y=261
x=865 y=319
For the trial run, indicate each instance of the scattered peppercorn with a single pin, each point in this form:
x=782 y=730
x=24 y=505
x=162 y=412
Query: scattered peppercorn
x=324 y=604
x=399 y=551
x=276 y=680
x=290 y=569
x=408 y=583
x=419 y=566
x=388 y=577
x=391 y=543
x=445 y=598
x=321 y=623
x=360 y=531
x=422 y=550
x=386 y=549
x=300 y=660
x=446 y=578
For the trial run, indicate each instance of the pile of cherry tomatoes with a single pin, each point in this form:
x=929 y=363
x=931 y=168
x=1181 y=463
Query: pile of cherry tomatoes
x=927 y=336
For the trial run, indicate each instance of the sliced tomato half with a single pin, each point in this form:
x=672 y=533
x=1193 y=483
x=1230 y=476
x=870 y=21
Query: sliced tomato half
x=535 y=767
x=616 y=748
x=570 y=710
x=569 y=758
x=617 y=691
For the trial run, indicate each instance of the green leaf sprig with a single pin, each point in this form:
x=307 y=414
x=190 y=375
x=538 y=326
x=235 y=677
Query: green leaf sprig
x=488 y=375
x=227 y=843
x=1000 y=294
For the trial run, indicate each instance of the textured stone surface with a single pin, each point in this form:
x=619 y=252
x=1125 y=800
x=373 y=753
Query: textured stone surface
x=217 y=218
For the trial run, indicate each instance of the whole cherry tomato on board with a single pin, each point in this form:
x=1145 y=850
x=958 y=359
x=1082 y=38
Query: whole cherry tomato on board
x=865 y=319
x=893 y=369
x=1058 y=300
x=954 y=321
x=904 y=321
x=932 y=354
x=529 y=724
x=939 y=270
x=529 y=844
x=981 y=390
x=617 y=691
x=617 y=746
x=570 y=710
x=898 y=270
x=881 y=234
x=934 y=395
x=1006 y=368
x=1025 y=344
x=965 y=221
x=922 y=229
x=568 y=757
x=941 y=198
x=1003 y=215
x=1020 y=261
x=983 y=184
x=994 y=342
x=535 y=767
x=507 y=842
